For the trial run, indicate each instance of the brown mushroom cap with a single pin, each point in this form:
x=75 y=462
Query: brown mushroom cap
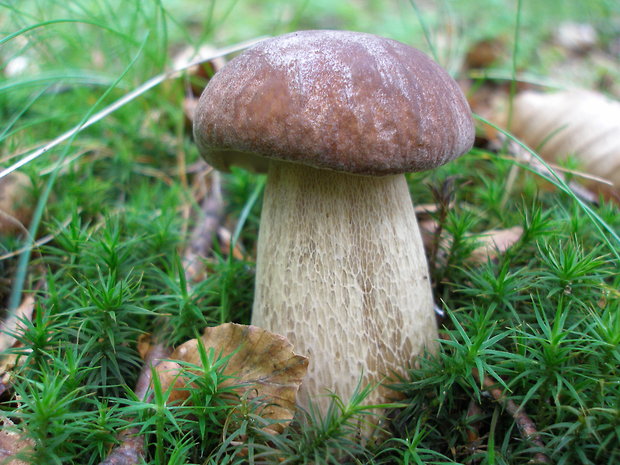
x=344 y=101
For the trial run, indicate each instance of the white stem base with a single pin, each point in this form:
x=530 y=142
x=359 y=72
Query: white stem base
x=342 y=274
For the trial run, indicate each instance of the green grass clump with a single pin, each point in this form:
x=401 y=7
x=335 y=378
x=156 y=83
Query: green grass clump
x=540 y=322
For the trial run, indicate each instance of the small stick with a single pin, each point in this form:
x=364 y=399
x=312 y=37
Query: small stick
x=525 y=424
x=212 y=208
x=130 y=451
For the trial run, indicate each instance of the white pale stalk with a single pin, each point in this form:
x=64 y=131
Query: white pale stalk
x=341 y=272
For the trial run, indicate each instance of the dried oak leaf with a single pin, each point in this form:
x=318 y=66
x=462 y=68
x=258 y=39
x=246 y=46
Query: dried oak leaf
x=262 y=366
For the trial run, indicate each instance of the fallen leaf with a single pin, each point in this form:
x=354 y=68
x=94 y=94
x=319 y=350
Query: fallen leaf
x=262 y=367
x=582 y=124
x=144 y=345
x=13 y=443
x=484 y=53
x=225 y=237
x=8 y=328
x=493 y=243
x=15 y=208
x=581 y=191
x=13 y=321
x=576 y=37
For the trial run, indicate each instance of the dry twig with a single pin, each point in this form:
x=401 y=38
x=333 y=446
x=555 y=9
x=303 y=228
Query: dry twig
x=526 y=426
x=211 y=211
x=130 y=451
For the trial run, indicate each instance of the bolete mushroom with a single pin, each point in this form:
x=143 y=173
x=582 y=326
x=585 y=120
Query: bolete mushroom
x=335 y=118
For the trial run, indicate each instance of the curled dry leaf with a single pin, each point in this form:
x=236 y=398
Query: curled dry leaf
x=15 y=208
x=262 y=365
x=582 y=124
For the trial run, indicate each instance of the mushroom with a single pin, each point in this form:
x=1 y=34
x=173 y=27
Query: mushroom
x=336 y=118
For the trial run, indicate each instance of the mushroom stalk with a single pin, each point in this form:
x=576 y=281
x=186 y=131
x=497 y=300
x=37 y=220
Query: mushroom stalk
x=341 y=272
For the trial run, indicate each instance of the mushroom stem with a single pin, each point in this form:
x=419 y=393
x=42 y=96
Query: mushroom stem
x=341 y=272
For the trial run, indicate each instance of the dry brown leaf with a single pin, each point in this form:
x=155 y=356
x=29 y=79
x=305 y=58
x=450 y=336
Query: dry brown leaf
x=13 y=443
x=484 y=53
x=169 y=373
x=583 y=124
x=13 y=322
x=15 y=208
x=425 y=211
x=225 y=237
x=144 y=345
x=493 y=243
x=262 y=365
x=11 y=325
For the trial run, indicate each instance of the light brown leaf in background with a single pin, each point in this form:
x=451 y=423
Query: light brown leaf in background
x=169 y=373
x=15 y=206
x=582 y=124
x=144 y=345
x=490 y=244
x=8 y=328
x=485 y=53
x=203 y=72
x=262 y=365
x=12 y=324
x=575 y=37
x=493 y=243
